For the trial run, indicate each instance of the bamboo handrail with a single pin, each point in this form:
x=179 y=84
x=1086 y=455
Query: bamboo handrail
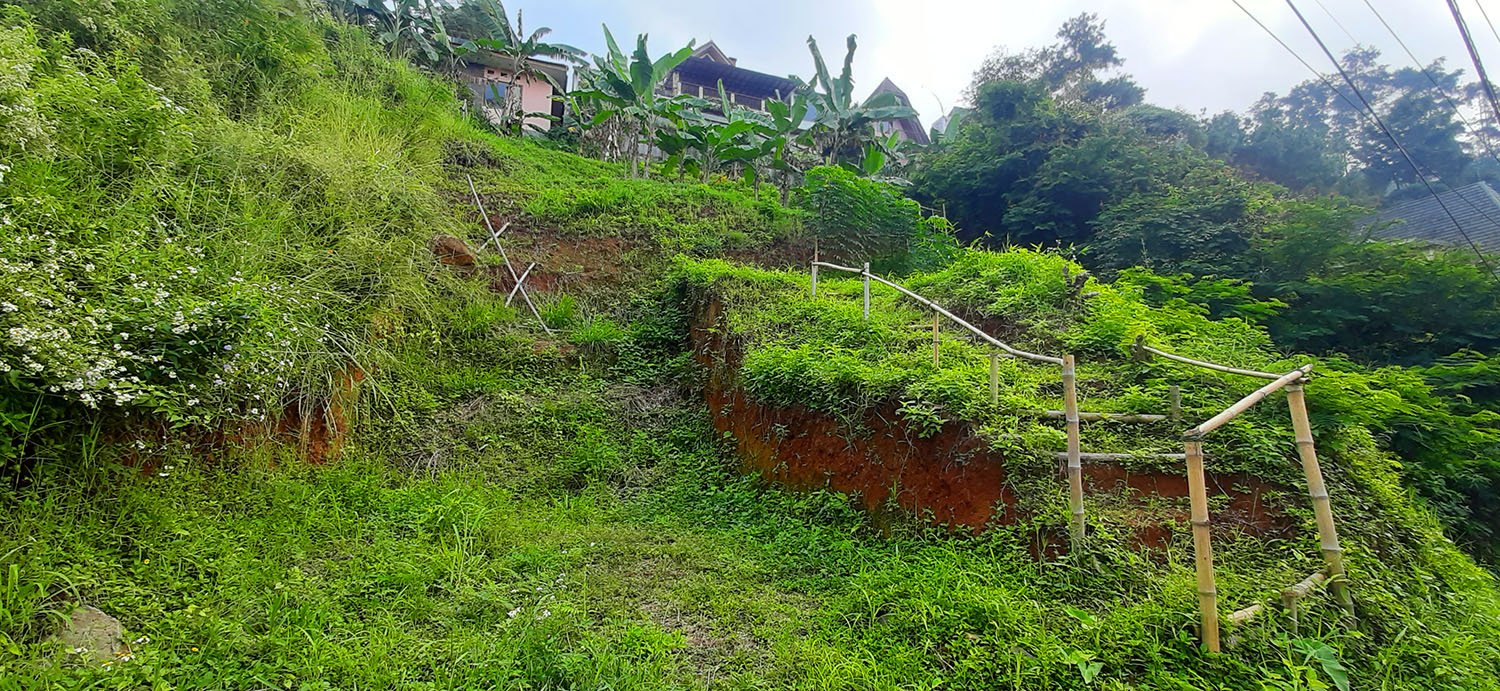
x=970 y=327
x=1097 y=456
x=1245 y=403
x=1140 y=343
x=939 y=309
x=1105 y=417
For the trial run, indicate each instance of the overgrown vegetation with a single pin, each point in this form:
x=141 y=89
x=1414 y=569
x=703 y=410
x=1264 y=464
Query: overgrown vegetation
x=822 y=354
x=218 y=217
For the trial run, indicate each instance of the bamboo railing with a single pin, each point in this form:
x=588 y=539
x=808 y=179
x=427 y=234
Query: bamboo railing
x=1291 y=382
x=1328 y=539
x=1074 y=456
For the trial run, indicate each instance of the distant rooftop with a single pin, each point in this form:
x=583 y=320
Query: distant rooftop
x=1476 y=206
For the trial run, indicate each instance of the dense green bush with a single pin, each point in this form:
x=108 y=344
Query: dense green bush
x=855 y=219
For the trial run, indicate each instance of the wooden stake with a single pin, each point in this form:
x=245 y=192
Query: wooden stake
x=867 y=291
x=1328 y=536
x=519 y=282
x=1203 y=550
x=815 y=278
x=1175 y=393
x=1077 y=526
x=510 y=268
x=937 y=337
x=994 y=379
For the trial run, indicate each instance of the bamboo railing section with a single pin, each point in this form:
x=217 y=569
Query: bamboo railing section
x=1328 y=540
x=1291 y=382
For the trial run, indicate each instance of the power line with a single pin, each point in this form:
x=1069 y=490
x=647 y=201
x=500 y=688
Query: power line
x=1390 y=135
x=1336 y=22
x=1494 y=33
x=1477 y=132
x=1299 y=58
x=1484 y=79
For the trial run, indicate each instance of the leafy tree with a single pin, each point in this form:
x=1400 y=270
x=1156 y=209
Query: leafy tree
x=1074 y=70
x=626 y=86
x=843 y=126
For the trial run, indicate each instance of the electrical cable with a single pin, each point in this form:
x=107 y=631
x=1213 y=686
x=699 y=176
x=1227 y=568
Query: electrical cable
x=1484 y=261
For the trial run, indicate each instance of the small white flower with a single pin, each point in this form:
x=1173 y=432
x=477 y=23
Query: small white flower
x=511 y=614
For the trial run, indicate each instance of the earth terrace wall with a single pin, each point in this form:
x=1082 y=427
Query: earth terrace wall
x=952 y=478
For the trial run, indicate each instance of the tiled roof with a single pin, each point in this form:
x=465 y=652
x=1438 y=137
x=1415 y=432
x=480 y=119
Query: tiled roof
x=1476 y=206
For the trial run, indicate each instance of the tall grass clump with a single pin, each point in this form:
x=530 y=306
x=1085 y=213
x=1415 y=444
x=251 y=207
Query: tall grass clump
x=210 y=209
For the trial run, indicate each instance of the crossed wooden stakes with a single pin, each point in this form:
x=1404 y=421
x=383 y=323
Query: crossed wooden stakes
x=520 y=280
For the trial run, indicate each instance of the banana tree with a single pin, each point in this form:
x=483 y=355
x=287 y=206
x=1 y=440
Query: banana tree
x=407 y=28
x=843 y=124
x=784 y=131
x=626 y=86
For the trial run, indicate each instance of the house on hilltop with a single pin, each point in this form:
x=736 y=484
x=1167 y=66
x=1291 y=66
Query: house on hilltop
x=500 y=95
x=1476 y=206
x=909 y=129
x=700 y=75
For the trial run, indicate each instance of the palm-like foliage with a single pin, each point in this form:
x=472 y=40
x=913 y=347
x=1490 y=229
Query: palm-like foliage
x=626 y=86
x=510 y=41
x=409 y=29
x=844 y=125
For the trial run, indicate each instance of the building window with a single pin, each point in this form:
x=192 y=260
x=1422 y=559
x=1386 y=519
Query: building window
x=497 y=92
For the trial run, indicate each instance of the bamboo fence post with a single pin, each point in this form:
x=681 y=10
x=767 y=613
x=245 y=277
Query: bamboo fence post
x=815 y=278
x=1175 y=393
x=937 y=336
x=1076 y=525
x=1328 y=536
x=994 y=379
x=867 y=291
x=1203 y=550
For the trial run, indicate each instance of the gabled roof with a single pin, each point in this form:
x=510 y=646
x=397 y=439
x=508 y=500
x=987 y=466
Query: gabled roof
x=712 y=51
x=1476 y=206
x=910 y=127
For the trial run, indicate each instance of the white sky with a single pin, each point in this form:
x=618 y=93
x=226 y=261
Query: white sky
x=1199 y=55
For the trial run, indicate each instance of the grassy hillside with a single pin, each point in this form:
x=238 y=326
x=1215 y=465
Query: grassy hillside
x=216 y=211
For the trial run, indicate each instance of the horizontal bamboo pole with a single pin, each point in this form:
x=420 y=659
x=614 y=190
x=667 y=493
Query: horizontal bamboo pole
x=1112 y=457
x=1246 y=615
x=1245 y=403
x=970 y=327
x=1304 y=587
x=849 y=269
x=1141 y=344
x=1105 y=417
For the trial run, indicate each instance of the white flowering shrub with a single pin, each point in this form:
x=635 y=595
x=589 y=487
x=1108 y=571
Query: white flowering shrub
x=166 y=261
x=24 y=128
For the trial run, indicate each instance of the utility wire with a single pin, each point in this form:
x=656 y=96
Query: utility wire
x=1486 y=15
x=1336 y=22
x=1298 y=56
x=1477 y=132
x=1484 y=80
x=1391 y=135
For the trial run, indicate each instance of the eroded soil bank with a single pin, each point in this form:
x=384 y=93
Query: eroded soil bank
x=950 y=478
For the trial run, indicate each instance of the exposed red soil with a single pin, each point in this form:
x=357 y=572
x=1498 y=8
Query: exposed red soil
x=951 y=478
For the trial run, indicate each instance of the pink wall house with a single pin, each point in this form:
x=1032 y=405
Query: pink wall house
x=497 y=94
